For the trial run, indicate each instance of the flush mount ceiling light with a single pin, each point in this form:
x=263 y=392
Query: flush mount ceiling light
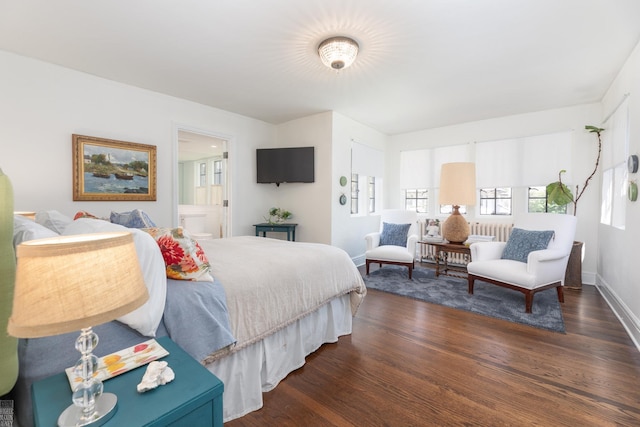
x=338 y=52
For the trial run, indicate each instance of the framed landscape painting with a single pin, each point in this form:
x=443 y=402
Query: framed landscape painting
x=109 y=170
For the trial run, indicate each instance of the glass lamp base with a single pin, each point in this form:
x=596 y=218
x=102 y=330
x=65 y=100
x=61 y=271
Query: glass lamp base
x=105 y=409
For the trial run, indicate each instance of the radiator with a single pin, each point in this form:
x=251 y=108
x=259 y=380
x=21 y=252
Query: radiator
x=500 y=231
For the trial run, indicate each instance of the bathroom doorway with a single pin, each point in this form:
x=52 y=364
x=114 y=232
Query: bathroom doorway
x=202 y=184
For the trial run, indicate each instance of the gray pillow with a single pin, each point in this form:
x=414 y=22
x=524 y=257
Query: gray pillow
x=132 y=219
x=394 y=234
x=522 y=242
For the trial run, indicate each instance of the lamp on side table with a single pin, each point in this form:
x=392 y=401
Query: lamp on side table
x=75 y=282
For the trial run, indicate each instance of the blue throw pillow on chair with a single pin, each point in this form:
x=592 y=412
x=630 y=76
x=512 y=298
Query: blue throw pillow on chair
x=394 y=234
x=522 y=242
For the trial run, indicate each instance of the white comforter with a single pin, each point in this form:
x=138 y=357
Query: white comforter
x=270 y=283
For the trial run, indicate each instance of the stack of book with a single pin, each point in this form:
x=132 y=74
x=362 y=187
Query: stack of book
x=432 y=239
x=475 y=238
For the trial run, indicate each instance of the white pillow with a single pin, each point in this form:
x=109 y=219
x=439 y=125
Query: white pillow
x=53 y=220
x=144 y=319
x=25 y=229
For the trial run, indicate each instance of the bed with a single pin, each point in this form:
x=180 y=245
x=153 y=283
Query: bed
x=266 y=305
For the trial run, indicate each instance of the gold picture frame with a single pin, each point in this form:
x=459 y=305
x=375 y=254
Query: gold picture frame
x=110 y=170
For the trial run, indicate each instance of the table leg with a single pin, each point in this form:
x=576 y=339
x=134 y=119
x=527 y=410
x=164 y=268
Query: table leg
x=437 y=261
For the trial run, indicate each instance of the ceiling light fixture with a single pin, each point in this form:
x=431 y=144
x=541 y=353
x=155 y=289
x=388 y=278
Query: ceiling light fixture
x=338 y=52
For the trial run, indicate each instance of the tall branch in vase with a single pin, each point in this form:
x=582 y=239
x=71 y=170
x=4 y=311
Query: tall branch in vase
x=558 y=193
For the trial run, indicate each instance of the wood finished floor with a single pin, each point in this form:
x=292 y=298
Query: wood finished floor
x=411 y=363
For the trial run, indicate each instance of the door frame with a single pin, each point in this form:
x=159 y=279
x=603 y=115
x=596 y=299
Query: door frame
x=227 y=167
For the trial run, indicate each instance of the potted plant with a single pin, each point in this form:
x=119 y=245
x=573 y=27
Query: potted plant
x=277 y=215
x=560 y=194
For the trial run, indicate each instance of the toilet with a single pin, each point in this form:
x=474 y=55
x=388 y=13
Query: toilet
x=195 y=224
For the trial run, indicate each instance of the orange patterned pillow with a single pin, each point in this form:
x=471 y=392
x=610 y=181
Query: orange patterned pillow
x=183 y=256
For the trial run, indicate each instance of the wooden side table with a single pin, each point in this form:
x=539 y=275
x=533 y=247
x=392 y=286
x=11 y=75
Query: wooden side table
x=192 y=399
x=442 y=254
x=288 y=228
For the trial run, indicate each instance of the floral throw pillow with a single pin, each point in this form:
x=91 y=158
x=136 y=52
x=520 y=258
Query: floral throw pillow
x=183 y=256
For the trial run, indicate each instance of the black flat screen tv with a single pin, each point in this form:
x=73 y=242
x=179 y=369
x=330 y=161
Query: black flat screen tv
x=278 y=165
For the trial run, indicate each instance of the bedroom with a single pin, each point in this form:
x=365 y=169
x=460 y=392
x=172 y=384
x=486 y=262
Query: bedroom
x=42 y=104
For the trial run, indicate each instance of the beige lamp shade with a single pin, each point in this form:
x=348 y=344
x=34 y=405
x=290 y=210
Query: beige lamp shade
x=457 y=187
x=458 y=184
x=67 y=283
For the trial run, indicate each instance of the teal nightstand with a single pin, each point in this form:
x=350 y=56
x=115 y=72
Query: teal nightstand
x=193 y=398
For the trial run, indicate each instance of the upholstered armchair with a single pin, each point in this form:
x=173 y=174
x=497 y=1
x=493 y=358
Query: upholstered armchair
x=533 y=259
x=395 y=243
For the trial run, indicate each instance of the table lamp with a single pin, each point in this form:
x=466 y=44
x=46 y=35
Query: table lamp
x=457 y=187
x=70 y=283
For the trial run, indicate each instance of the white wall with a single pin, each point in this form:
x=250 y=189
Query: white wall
x=618 y=277
x=544 y=122
x=348 y=231
x=42 y=105
x=308 y=202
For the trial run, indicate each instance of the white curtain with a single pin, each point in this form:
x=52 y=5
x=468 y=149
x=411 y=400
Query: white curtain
x=415 y=169
x=366 y=161
x=450 y=154
x=497 y=164
x=528 y=161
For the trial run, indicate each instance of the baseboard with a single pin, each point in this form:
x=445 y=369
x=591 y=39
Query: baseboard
x=629 y=321
x=588 y=278
x=359 y=260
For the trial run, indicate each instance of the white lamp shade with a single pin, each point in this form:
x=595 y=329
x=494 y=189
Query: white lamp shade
x=458 y=184
x=67 y=283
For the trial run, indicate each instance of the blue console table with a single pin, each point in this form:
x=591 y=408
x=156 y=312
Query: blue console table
x=288 y=228
x=192 y=399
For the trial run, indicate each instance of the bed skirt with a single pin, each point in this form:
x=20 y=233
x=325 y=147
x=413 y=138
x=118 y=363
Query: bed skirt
x=259 y=368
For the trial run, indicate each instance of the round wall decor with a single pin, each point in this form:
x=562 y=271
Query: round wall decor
x=343 y=199
x=343 y=181
x=632 y=191
x=632 y=163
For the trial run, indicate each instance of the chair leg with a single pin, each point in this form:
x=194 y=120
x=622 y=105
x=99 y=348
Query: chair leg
x=410 y=271
x=528 y=302
x=367 y=268
x=471 y=279
x=560 y=293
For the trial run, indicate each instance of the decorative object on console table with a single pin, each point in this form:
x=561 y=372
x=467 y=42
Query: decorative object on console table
x=277 y=215
x=75 y=282
x=193 y=398
x=457 y=187
x=558 y=193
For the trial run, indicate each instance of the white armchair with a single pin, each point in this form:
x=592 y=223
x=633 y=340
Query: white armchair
x=395 y=243
x=538 y=269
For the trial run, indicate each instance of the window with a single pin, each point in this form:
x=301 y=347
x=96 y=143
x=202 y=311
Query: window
x=495 y=201
x=447 y=209
x=217 y=172
x=416 y=199
x=537 y=198
x=371 y=184
x=354 y=193
x=203 y=174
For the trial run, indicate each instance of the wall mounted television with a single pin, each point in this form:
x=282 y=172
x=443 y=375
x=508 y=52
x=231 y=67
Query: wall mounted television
x=278 y=165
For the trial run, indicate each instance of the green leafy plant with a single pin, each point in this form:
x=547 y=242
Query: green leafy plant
x=558 y=193
x=277 y=215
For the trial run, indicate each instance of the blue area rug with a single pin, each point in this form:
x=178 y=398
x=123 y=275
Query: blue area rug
x=487 y=299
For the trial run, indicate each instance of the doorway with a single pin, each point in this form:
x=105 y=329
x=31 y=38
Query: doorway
x=202 y=200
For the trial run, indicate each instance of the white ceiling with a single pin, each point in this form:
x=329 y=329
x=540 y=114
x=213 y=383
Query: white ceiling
x=422 y=64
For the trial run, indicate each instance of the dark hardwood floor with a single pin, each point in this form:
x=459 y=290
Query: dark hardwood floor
x=410 y=363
